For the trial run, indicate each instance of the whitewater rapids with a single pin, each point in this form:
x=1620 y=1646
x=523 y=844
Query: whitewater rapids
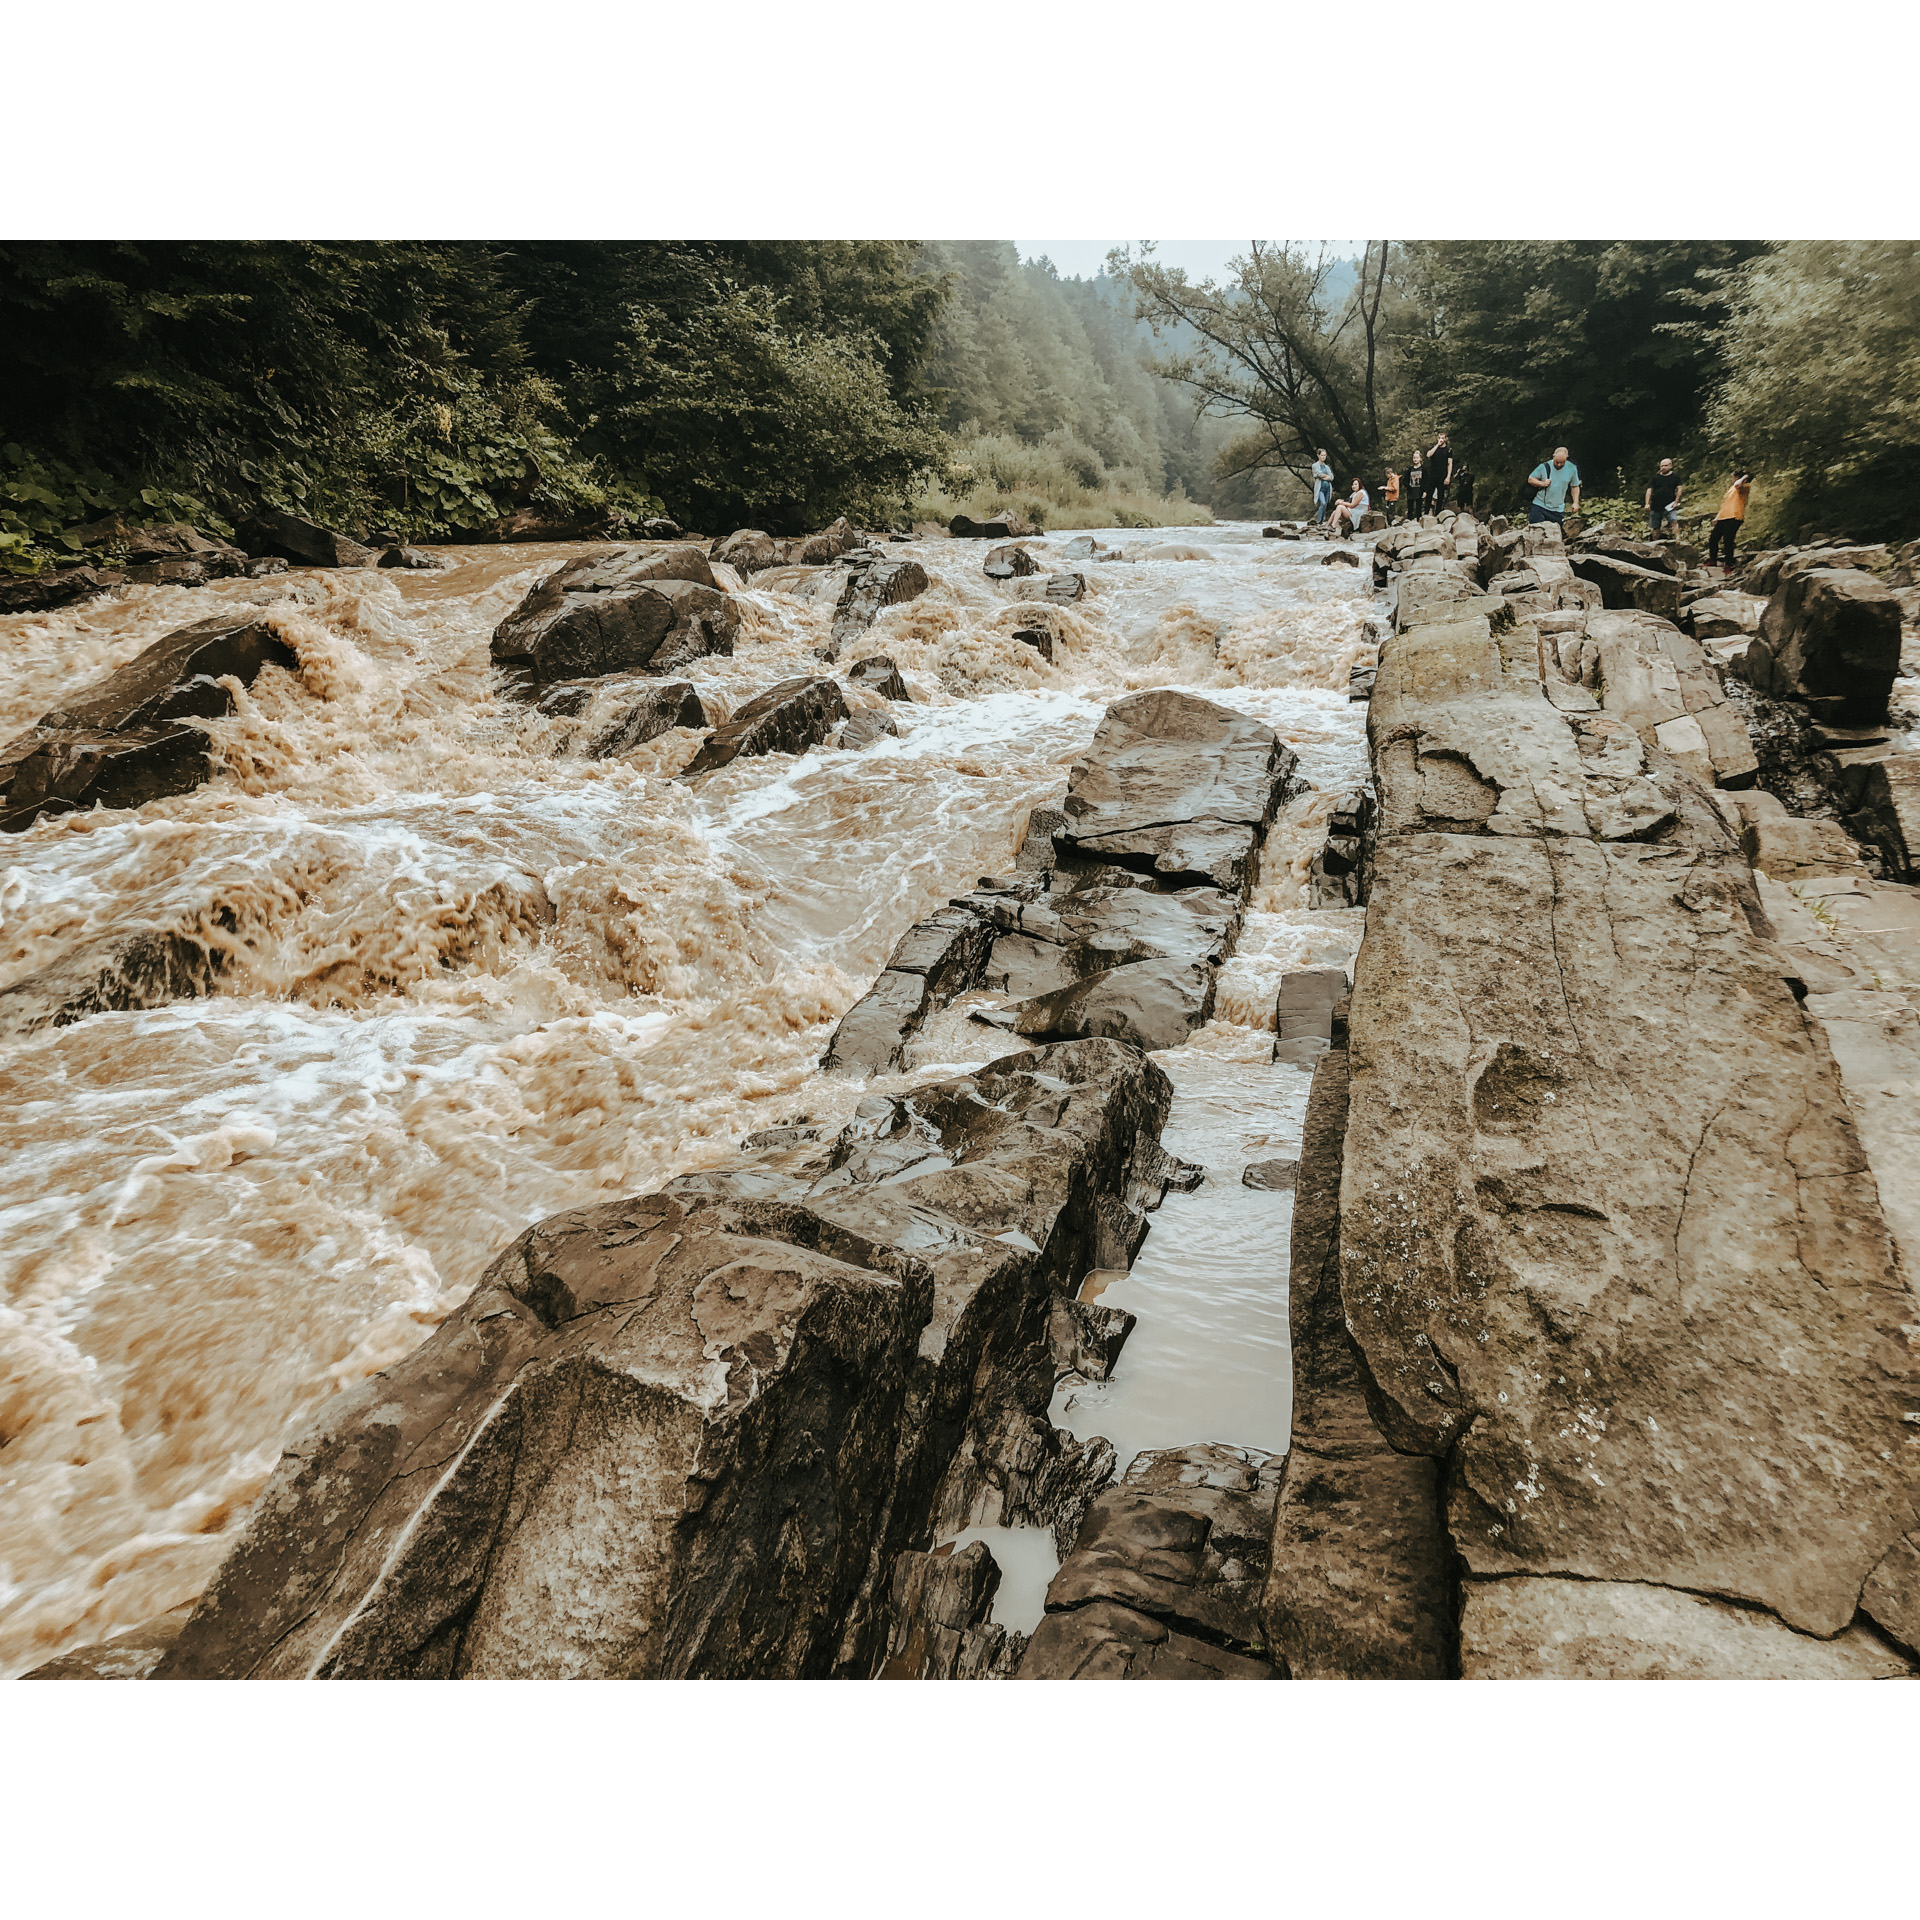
x=473 y=977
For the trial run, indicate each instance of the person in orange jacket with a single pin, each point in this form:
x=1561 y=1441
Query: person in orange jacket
x=1726 y=523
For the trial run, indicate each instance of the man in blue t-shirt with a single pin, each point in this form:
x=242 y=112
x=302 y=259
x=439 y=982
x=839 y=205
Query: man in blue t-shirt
x=1558 y=488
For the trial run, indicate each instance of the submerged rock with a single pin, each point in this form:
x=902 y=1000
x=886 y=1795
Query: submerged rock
x=619 y=613
x=632 y=712
x=56 y=587
x=871 y=586
x=1149 y=1004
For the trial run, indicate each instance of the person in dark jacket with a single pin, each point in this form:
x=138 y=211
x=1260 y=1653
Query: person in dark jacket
x=1439 y=473
x=1416 y=486
x=1463 y=488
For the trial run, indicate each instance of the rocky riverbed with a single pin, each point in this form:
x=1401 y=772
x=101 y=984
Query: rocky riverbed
x=823 y=1109
x=292 y=1056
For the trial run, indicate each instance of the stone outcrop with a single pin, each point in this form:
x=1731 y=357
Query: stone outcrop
x=1831 y=637
x=303 y=542
x=1360 y=1578
x=1624 y=584
x=1127 y=899
x=692 y=1433
x=1612 y=1258
x=1179 y=788
x=129 y=737
x=55 y=588
x=788 y=718
x=1165 y=1578
x=1011 y=562
x=624 y=612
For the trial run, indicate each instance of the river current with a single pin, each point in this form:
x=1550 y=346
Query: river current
x=473 y=977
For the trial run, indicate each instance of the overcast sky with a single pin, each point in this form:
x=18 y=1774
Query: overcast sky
x=1085 y=258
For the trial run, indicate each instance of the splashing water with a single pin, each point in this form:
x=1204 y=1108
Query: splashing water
x=471 y=976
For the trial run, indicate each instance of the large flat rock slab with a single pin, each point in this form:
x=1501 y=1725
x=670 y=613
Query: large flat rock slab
x=1609 y=1239
x=1165 y=758
x=1613 y=1630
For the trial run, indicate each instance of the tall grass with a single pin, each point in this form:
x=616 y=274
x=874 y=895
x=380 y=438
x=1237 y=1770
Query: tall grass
x=1059 y=481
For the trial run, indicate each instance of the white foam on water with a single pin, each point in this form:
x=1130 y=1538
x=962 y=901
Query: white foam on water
x=472 y=977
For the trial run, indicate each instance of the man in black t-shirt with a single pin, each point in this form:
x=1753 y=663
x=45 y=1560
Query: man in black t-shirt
x=1663 y=501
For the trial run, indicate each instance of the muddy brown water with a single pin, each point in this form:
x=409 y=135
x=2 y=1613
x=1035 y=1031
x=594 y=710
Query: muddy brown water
x=472 y=978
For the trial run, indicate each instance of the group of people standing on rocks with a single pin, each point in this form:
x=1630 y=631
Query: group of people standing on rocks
x=1553 y=492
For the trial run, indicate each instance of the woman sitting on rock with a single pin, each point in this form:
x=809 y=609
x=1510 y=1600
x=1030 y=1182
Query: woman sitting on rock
x=1346 y=513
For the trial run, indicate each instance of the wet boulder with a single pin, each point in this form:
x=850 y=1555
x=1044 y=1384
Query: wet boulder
x=544 y=521
x=1271 y=1176
x=631 y=611
x=686 y=1435
x=141 y=966
x=630 y=713
x=1010 y=562
x=124 y=740
x=1179 y=787
x=1042 y=628
x=303 y=542
x=411 y=559
x=1165 y=1577
x=1340 y=557
x=1830 y=636
x=656 y=1441
x=1150 y=1004
x=55 y=588
x=748 y=552
x=935 y=961
x=788 y=718
x=874 y=584
x=877 y=674
x=1048 y=943
x=821 y=549
x=1005 y=525
x=132 y=1655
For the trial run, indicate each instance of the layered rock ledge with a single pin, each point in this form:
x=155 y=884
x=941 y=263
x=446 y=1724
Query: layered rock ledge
x=1622 y=1353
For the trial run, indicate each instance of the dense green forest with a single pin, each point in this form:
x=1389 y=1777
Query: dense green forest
x=432 y=388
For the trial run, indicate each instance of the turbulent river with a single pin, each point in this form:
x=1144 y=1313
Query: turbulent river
x=473 y=977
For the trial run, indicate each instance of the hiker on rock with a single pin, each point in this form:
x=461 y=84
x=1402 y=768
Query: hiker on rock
x=1322 y=485
x=1347 y=515
x=1390 y=496
x=1663 y=501
x=1726 y=523
x=1463 y=488
x=1556 y=485
x=1416 y=486
x=1439 y=472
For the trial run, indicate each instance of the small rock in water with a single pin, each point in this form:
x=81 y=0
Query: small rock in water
x=1271 y=1176
x=1005 y=563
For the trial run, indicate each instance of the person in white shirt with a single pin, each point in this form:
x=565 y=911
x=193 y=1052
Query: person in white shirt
x=1347 y=515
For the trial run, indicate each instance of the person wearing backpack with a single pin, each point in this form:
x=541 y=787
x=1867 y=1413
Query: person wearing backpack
x=1556 y=485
